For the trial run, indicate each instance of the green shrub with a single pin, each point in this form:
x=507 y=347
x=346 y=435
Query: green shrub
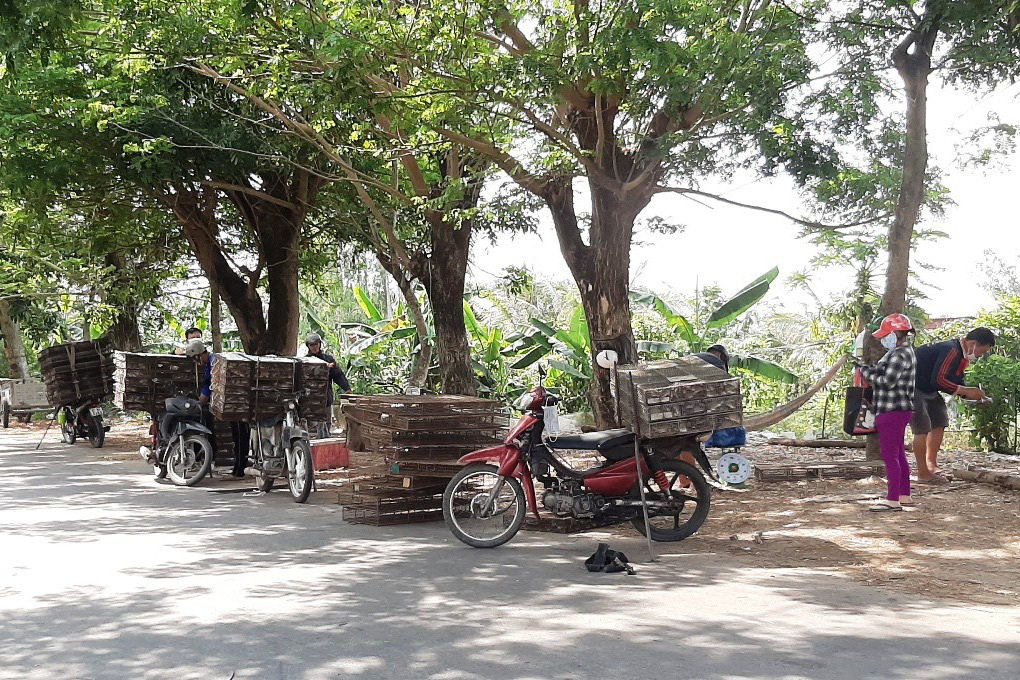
x=995 y=424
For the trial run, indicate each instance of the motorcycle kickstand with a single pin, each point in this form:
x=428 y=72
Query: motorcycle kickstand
x=644 y=503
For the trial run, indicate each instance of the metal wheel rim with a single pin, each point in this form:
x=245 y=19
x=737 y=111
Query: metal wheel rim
x=467 y=524
x=664 y=522
x=181 y=461
x=297 y=470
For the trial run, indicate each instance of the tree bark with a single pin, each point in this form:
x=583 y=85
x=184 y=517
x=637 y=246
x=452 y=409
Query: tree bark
x=601 y=270
x=14 y=345
x=444 y=273
x=215 y=329
x=124 y=333
x=912 y=59
x=275 y=213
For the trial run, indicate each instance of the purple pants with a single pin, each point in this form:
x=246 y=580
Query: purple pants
x=891 y=427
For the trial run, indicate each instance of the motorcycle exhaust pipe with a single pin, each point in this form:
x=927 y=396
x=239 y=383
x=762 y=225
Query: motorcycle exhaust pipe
x=637 y=504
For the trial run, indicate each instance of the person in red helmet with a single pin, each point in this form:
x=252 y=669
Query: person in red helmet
x=892 y=379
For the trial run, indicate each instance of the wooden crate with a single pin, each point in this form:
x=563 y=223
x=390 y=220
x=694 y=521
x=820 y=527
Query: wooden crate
x=677 y=397
x=143 y=382
x=376 y=504
x=247 y=387
x=314 y=385
x=77 y=372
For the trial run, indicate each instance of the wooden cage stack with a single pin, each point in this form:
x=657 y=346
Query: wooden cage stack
x=77 y=372
x=410 y=447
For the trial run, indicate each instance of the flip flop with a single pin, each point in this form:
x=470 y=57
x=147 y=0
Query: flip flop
x=937 y=480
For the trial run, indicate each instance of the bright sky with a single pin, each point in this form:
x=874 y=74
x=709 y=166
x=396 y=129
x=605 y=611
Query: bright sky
x=985 y=217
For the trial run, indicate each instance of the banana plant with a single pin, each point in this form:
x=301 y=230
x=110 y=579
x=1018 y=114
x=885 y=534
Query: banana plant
x=695 y=336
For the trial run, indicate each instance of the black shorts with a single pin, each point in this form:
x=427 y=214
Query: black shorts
x=929 y=413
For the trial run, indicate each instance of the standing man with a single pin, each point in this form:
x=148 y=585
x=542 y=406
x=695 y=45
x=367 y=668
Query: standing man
x=940 y=368
x=239 y=432
x=314 y=344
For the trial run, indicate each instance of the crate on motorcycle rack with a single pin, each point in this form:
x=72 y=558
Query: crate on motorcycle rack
x=676 y=397
x=247 y=387
x=314 y=385
x=76 y=372
x=143 y=382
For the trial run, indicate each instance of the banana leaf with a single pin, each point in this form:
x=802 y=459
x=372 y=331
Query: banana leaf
x=742 y=301
x=764 y=368
x=568 y=369
x=530 y=358
x=367 y=306
x=677 y=322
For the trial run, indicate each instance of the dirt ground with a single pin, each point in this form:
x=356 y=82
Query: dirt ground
x=961 y=542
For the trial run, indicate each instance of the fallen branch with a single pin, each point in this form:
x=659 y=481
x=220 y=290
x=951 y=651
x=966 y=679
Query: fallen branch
x=819 y=443
x=976 y=474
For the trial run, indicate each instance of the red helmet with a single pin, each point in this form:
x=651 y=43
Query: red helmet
x=893 y=322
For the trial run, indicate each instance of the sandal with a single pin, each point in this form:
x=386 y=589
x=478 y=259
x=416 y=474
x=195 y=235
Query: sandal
x=935 y=480
x=885 y=507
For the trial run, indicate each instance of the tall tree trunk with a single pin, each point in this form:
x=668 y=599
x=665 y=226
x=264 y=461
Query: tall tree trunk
x=14 y=345
x=601 y=270
x=912 y=59
x=444 y=274
x=124 y=333
x=215 y=328
x=281 y=240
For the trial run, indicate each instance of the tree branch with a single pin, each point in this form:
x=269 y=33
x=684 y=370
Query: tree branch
x=810 y=224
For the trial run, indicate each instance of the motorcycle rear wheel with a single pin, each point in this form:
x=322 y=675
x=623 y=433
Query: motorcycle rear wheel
x=683 y=524
x=300 y=473
x=188 y=461
x=463 y=503
x=96 y=432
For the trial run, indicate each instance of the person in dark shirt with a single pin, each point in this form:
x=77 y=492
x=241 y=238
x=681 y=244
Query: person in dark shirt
x=239 y=432
x=717 y=356
x=314 y=344
x=940 y=368
x=192 y=333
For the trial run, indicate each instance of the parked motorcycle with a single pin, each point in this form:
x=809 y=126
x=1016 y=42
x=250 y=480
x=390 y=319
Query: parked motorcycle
x=181 y=443
x=83 y=420
x=279 y=447
x=485 y=504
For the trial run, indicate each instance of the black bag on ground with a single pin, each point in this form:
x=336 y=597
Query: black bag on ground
x=609 y=561
x=858 y=415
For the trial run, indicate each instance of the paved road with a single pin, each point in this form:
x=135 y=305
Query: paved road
x=106 y=574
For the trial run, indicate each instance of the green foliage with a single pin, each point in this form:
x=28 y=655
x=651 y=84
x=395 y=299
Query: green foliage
x=996 y=423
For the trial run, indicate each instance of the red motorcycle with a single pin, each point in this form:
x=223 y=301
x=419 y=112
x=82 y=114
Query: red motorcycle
x=484 y=504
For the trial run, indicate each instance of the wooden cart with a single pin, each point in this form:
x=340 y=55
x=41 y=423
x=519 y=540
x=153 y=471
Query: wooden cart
x=21 y=398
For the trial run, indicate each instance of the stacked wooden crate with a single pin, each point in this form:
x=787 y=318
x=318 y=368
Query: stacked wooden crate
x=77 y=372
x=247 y=387
x=145 y=381
x=410 y=446
x=672 y=398
x=314 y=384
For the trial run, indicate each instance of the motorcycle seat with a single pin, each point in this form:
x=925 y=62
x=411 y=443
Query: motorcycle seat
x=594 y=441
x=183 y=406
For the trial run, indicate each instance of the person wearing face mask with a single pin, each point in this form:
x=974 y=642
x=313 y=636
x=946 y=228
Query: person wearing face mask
x=893 y=381
x=940 y=368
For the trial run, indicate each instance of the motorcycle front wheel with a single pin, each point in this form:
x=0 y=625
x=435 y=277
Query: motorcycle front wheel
x=188 y=460
x=67 y=431
x=469 y=514
x=691 y=493
x=300 y=473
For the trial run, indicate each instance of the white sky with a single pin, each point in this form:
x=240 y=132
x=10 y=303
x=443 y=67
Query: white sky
x=985 y=217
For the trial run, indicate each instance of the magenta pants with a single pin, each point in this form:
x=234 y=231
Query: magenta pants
x=891 y=427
